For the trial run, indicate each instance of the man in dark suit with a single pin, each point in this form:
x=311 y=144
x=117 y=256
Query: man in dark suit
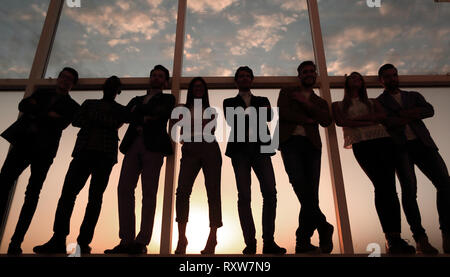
x=145 y=145
x=301 y=112
x=94 y=154
x=243 y=113
x=35 y=139
x=405 y=110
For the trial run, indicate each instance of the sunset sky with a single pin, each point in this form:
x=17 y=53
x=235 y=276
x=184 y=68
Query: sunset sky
x=126 y=38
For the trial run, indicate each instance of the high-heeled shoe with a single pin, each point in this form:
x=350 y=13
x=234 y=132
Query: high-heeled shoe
x=210 y=247
x=181 y=247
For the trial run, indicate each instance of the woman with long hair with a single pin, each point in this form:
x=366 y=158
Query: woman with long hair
x=374 y=150
x=198 y=154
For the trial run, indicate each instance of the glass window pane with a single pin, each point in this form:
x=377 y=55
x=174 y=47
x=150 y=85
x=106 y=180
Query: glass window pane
x=41 y=229
x=20 y=25
x=414 y=35
x=271 y=37
x=365 y=225
x=122 y=38
x=230 y=239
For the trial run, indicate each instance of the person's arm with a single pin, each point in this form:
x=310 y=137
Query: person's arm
x=378 y=114
x=63 y=113
x=422 y=109
x=342 y=119
x=80 y=118
x=321 y=113
x=287 y=114
x=162 y=113
x=30 y=105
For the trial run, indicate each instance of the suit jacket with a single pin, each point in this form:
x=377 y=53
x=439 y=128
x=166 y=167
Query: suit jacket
x=233 y=145
x=292 y=113
x=99 y=121
x=35 y=130
x=410 y=100
x=155 y=134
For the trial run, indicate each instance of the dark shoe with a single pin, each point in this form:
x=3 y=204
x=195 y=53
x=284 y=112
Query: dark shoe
x=326 y=238
x=14 y=249
x=53 y=246
x=306 y=248
x=210 y=247
x=446 y=243
x=249 y=249
x=138 y=248
x=397 y=246
x=181 y=247
x=272 y=248
x=85 y=249
x=119 y=249
x=423 y=246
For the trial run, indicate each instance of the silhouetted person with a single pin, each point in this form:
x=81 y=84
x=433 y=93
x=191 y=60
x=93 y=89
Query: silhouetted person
x=405 y=111
x=246 y=155
x=301 y=112
x=145 y=144
x=94 y=155
x=374 y=150
x=35 y=139
x=197 y=153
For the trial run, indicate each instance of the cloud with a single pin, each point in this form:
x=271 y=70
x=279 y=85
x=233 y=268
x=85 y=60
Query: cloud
x=131 y=49
x=265 y=33
x=154 y=3
x=115 y=42
x=202 y=6
x=123 y=5
x=17 y=69
x=267 y=70
x=39 y=9
x=111 y=22
x=113 y=57
x=293 y=5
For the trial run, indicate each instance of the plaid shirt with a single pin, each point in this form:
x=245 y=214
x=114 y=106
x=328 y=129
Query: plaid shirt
x=99 y=121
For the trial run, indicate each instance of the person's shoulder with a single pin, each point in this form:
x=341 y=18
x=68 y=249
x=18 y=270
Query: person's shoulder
x=71 y=101
x=261 y=98
x=44 y=91
x=286 y=91
x=411 y=92
x=229 y=100
x=338 y=103
x=90 y=101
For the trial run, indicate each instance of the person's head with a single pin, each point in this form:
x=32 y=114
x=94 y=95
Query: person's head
x=307 y=73
x=197 y=89
x=159 y=77
x=355 y=82
x=111 y=88
x=244 y=78
x=67 y=79
x=388 y=76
